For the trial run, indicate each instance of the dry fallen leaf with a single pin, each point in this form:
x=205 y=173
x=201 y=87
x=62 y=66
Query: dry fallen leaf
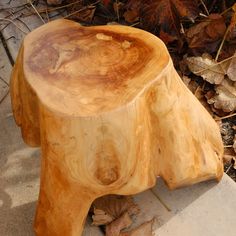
x=54 y=2
x=143 y=230
x=232 y=22
x=212 y=71
x=101 y=218
x=231 y=70
x=225 y=97
x=131 y=16
x=191 y=84
x=114 y=228
x=207 y=68
x=206 y=35
x=163 y=14
x=227 y=159
x=234 y=145
x=111 y=207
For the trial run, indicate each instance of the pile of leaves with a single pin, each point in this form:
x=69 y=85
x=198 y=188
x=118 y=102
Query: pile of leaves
x=116 y=213
x=201 y=38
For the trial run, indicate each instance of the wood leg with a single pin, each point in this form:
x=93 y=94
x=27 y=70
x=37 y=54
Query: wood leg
x=62 y=208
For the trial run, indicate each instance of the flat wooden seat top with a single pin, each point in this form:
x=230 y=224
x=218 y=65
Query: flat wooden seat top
x=110 y=114
x=88 y=70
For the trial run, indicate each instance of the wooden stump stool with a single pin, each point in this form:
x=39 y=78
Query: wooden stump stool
x=110 y=114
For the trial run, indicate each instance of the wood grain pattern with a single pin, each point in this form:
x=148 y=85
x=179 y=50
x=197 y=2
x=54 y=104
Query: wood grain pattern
x=110 y=114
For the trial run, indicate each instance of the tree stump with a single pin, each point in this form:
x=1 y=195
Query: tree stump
x=110 y=114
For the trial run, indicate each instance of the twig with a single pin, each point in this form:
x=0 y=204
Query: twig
x=46 y=12
x=222 y=43
x=54 y=8
x=64 y=6
x=203 y=4
x=14 y=24
x=117 y=11
x=24 y=24
x=161 y=201
x=228 y=168
x=218 y=63
x=134 y=24
x=29 y=1
x=12 y=7
x=201 y=14
x=228 y=146
x=82 y=9
x=226 y=117
x=225 y=11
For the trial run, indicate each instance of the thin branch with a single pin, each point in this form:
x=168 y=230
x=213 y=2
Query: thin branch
x=64 y=6
x=46 y=12
x=14 y=24
x=82 y=9
x=24 y=24
x=53 y=8
x=228 y=168
x=210 y=67
x=225 y=117
x=225 y=11
x=29 y=1
x=222 y=43
x=10 y=8
x=204 y=6
x=134 y=24
x=117 y=11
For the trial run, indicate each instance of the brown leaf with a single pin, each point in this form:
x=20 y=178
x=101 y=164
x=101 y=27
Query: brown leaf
x=233 y=21
x=106 y=2
x=231 y=70
x=207 y=68
x=234 y=145
x=227 y=159
x=131 y=16
x=101 y=218
x=143 y=230
x=191 y=84
x=207 y=34
x=225 y=97
x=164 y=14
x=86 y=15
x=112 y=207
x=133 y=10
x=113 y=229
x=54 y=2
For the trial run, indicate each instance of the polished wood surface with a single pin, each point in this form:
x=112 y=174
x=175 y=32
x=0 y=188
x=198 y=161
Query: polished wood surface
x=110 y=114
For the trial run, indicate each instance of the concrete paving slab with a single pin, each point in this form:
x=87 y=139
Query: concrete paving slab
x=210 y=213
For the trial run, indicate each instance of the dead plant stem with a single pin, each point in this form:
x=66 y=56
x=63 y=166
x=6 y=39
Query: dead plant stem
x=205 y=8
x=14 y=24
x=225 y=117
x=222 y=43
x=29 y=1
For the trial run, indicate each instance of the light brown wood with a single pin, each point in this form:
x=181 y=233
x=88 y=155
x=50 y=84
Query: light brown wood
x=110 y=114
